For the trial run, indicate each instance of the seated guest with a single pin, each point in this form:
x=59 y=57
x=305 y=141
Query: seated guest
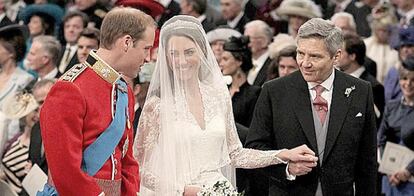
x=22 y=106
x=218 y=37
x=405 y=47
x=12 y=77
x=88 y=40
x=36 y=151
x=284 y=63
x=236 y=62
x=351 y=62
x=397 y=120
x=44 y=56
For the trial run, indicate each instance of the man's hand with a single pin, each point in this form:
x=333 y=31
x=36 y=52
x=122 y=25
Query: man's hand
x=300 y=153
x=300 y=168
x=301 y=160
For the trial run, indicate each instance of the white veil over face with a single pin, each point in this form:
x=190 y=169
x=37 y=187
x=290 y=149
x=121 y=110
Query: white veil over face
x=183 y=127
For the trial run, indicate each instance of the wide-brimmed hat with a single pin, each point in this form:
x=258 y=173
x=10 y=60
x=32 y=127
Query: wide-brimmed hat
x=52 y=11
x=280 y=42
x=16 y=35
x=223 y=34
x=406 y=36
x=304 y=8
x=19 y=105
x=151 y=7
x=14 y=30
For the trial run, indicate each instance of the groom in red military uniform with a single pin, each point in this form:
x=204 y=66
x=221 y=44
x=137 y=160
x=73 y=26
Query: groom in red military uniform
x=86 y=120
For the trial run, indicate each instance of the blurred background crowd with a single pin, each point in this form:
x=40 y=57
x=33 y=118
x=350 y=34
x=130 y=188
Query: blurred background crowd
x=252 y=40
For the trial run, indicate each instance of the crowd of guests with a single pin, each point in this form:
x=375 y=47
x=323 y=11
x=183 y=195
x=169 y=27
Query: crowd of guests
x=253 y=42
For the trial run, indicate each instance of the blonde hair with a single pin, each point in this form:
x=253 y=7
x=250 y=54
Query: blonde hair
x=383 y=16
x=124 y=21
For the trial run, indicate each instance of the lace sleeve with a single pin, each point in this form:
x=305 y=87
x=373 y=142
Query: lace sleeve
x=148 y=131
x=244 y=157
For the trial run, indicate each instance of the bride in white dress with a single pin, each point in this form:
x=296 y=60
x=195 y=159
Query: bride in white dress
x=187 y=137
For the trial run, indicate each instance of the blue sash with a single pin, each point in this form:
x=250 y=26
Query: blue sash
x=96 y=154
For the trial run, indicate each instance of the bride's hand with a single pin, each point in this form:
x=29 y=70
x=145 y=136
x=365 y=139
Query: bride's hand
x=191 y=190
x=300 y=153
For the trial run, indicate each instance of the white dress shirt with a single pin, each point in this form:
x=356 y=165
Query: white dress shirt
x=327 y=93
x=233 y=23
x=50 y=75
x=63 y=63
x=201 y=18
x=2 y=16
x=357 y=73
x=257 y=66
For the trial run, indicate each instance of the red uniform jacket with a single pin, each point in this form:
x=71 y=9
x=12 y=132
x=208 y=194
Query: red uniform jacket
x=76 y=111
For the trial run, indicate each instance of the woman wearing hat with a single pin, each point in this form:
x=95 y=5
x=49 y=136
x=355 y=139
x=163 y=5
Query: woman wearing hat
x=12 y=77
x=218 y=37
x=405 y=48
x=297 y=12
x=42 y=19
x=397 y=123
x=236 y=61
x=22 y=107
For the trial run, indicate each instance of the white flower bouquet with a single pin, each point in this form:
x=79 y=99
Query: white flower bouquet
x=220 y=188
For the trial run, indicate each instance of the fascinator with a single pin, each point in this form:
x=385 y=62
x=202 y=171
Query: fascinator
x=19 y=105
x=406 y=36
x=222 y=34
x=237 y=44
x=16 y=36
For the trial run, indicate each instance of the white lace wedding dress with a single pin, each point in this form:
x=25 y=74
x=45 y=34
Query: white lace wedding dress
x=207 y=146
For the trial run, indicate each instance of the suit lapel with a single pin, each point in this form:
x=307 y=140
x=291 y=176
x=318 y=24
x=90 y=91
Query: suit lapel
x=339 y=109
x=261 y=76
x=302 y=107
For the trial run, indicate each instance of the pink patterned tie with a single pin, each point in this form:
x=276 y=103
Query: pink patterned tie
x=320 y=104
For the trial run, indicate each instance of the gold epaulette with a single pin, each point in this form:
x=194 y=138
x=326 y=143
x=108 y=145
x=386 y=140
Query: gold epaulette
x=101 y=68
x=100 y=13
x=73 y=72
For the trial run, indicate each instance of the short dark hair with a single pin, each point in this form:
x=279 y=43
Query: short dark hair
x=91 y=33
x=355 y=45
x=75 y=13
x=289 y=51
x=199 y=6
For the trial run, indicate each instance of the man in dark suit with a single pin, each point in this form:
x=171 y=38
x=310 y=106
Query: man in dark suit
x=329 y=111
x=36 y=151
x=260 y=36
x=197 y=8
x=352 y=60
x=43 y=57
x=346 y=22
x=73 y=24
x=4 y=20
x=232 y=11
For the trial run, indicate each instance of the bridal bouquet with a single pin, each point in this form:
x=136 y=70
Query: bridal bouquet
x=221 y=188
